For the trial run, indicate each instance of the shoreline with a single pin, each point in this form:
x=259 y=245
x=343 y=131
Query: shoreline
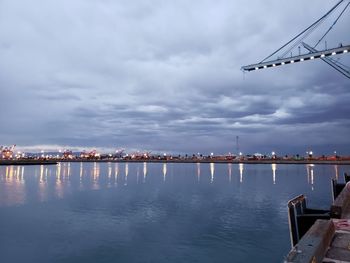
x=27 y=162
x=300 y=162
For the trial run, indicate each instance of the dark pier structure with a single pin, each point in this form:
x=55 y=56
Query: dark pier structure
x=321 y=235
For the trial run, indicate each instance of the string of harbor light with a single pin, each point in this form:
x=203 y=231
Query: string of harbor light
x=300 y=58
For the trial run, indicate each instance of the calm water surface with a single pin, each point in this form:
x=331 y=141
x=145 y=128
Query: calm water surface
x=138 y=212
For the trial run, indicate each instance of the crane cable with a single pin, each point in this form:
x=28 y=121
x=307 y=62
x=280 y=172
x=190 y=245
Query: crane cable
x=315 y=24
x=332 y=25
x=312 y=29
x=301 y=39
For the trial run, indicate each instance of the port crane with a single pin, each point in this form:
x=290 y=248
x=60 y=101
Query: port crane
x=119 y=153
x=67 y=154
x=90 y=154
x=326 y=54
x=7 y=152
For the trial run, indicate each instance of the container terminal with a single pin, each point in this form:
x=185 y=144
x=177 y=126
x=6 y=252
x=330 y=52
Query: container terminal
x=8 y=156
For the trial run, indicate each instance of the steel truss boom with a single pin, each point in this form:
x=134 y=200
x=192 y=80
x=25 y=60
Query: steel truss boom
x=314 y=53
x=329 y=61
x=294 y=59
x=305 y=32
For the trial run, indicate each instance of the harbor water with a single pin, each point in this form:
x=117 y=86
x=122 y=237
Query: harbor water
x=154 y=212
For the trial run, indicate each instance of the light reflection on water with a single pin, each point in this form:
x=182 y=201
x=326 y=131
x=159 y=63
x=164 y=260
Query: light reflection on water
x=198 y=172
x=13 y=185
x=212 y=171
x=164 y=171
x=144 y=172
x=167 y=212
x=336 y=172
x=241 y=168
x=274 y=168
x=230 y=172
x=126 y=174
x=61 y=178
x=13 y=178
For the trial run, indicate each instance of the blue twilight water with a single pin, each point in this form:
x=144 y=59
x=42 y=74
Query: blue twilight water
x=138 y=212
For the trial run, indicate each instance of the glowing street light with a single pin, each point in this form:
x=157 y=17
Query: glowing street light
x=309 y=154
x=273 y=155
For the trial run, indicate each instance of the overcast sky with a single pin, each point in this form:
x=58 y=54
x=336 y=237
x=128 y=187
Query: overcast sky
x=165 y=76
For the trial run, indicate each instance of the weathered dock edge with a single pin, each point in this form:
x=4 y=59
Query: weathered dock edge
x=313 y=247
x=330 y=250
x=341 y=205
x=301 y=217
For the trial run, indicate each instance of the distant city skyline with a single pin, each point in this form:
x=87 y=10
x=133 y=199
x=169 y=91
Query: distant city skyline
x=165 y=76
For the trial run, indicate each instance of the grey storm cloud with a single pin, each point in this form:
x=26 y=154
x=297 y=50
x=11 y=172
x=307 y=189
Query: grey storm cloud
x=165 y=75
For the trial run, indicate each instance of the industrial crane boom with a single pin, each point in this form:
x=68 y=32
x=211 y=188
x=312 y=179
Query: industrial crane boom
x=329 y=61
x=310 y=56
x=313 y=52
